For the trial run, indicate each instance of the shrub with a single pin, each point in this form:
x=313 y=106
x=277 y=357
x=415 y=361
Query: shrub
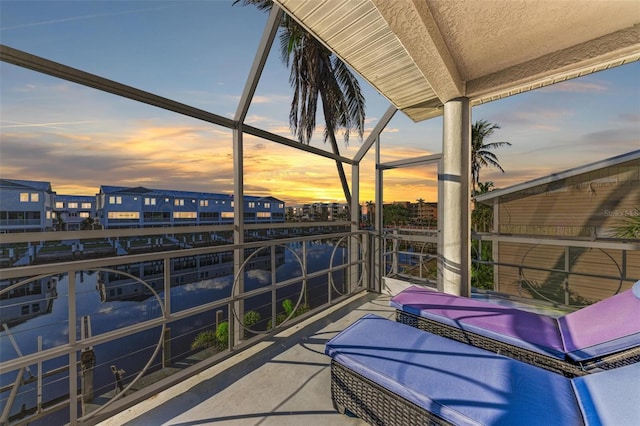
x=203 y=340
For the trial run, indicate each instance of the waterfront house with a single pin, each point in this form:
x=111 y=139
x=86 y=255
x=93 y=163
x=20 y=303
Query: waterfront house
x=139 y=207
x=71 y=211
x=26 y=205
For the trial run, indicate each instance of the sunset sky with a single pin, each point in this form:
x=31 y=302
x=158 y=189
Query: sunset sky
x=200 y=53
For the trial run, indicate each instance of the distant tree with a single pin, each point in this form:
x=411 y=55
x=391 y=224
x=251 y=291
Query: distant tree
x=59 y=223
x=420 y=210
x=318 y=75
x=482 y=215
x=482 y=221
x=87 y=224
x=395 y=214
x=370 y=209
x=481 y=156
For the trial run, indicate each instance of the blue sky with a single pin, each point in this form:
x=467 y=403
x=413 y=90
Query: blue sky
x=199 y=53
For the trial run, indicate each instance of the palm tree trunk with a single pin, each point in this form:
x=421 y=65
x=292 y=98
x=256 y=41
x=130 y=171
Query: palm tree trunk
x=336 y=150
x=340 y=167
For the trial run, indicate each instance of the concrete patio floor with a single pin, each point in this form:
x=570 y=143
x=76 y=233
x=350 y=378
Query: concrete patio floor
x=284 y=380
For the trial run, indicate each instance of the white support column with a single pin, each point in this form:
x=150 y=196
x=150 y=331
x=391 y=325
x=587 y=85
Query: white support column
x=455 y=181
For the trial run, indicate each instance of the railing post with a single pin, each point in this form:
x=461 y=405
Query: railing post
x=567 y=297
x=87 y=362
x=166 y=348
x=73 y=357
x=39 y=384
x=394 y=256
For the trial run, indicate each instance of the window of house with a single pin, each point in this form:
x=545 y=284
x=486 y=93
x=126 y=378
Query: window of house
x=227 y=215
x=178 y=202
x=73 y=205
x=86 y=205
x=35 y=197
x=204 y=203
x=123 y=215
x=264 y=214
x=281 y=206
x=267 y=205
x=59 y=205
x=84 y=214
x=24 y=197
x=115 y=200
x=252 y=205
x=149 y=201
x=184 y=215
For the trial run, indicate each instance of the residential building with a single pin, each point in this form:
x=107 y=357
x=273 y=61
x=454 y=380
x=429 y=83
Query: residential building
x=420 y=213
x=138 y=207
x=586 y=203
x=26 y=206
x=319 y=212
x=71 y=211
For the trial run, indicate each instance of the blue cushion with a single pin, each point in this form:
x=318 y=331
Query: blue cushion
x=610 y=397
x=461 y=383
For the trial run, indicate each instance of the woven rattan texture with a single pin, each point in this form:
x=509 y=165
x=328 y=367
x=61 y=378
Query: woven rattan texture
x=373 y=403
x=548 y=363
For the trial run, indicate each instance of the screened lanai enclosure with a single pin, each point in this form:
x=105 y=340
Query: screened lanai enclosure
x=195 y=98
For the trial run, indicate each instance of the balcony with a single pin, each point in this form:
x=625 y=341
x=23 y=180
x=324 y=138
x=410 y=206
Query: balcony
x=92 y=337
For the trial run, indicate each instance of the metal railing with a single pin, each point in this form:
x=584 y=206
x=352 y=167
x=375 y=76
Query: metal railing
x=128 y=323
x=558 y=271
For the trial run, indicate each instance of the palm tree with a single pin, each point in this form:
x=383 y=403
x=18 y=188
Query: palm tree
x=482 y=215
x=480 y=154
x=370 y=209
x=317 y=74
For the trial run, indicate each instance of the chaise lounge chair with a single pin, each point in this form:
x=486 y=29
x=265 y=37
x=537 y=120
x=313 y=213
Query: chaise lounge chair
x=604 y=335
x=389 y=373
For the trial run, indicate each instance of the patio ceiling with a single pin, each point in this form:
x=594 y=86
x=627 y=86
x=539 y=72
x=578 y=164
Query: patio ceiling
x=422 y=53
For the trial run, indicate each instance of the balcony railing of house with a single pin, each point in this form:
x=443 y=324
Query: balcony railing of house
x=567 y=273
x=136 y=319
x=128 y=323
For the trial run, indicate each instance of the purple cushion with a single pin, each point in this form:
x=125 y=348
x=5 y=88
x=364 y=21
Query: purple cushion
x=520 y=328
x=608 y=326
x=461 y=383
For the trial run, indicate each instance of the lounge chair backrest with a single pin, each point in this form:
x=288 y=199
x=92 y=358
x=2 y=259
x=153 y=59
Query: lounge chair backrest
x=608 y=326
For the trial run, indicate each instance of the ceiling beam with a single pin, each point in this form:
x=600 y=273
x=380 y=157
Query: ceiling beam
x=413 y=24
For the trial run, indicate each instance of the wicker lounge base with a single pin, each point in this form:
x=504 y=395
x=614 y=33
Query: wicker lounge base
x=566 y=367
x=373 y=403
x=602 y=336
